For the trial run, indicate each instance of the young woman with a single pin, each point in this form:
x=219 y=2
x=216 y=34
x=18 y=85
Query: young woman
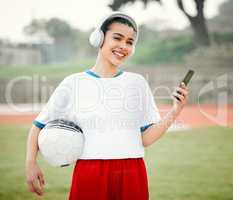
x=117 y=114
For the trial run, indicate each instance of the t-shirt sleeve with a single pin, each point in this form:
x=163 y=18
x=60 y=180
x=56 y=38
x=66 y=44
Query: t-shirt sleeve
x=58 y=105
x=150 y=114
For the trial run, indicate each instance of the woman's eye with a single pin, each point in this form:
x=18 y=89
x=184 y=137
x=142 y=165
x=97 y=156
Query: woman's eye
x=118 y=39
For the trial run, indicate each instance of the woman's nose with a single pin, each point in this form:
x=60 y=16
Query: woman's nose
x=123 y=45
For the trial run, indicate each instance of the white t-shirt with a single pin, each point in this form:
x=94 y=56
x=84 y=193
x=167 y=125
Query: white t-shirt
x=112 y=112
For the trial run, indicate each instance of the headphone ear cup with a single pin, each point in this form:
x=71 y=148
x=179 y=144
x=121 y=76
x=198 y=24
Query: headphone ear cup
x=133 y=51
x=96 y=38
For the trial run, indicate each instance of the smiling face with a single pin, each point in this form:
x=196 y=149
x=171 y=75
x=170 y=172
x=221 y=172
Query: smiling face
x=118 y=43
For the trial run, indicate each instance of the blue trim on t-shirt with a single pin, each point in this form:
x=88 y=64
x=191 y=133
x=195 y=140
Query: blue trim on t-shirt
x=38 y=124
x=92 y=73
x=97 y=76
x=143 y=128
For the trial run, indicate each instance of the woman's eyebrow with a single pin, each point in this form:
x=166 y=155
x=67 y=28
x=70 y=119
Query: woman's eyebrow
x=119 y=34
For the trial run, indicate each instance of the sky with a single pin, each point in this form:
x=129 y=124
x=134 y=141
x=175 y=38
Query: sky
x=84 y=15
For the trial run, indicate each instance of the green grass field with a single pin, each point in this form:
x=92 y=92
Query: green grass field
x=51 y=71
x=193 y=165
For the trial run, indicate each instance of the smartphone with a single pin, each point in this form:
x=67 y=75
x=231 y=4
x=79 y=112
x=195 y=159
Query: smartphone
x=186 y=80
x=188 y=77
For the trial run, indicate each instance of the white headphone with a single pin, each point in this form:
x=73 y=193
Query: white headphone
x=96 y=38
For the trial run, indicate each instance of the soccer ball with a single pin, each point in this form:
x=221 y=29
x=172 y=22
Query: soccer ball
x=61 y=142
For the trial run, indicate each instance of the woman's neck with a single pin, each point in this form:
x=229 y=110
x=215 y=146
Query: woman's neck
x=103 y=68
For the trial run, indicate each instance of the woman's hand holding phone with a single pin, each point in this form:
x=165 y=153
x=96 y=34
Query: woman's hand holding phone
x=180 y=95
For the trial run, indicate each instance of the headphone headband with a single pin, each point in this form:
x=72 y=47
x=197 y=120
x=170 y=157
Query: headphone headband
x=120 y=15
x=97 y=36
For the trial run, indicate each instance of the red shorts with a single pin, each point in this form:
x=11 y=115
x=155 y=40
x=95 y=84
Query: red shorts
x=116 y=179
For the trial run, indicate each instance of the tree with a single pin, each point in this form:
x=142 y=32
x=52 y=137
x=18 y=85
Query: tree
x=225 y=9
x=223 y=21
x=55 y=28
x=198 y=22
x=63 y=35
x=35 y=26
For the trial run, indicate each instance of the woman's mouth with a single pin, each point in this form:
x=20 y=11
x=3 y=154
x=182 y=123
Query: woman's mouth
x=118 y=54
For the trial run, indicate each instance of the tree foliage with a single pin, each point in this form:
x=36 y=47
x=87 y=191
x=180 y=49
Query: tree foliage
x=198 y=22
x=54 y=27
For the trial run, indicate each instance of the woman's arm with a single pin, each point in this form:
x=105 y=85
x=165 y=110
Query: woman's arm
x=155 y=131
x=34 y=175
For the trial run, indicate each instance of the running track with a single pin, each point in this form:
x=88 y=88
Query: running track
x=192 y=116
